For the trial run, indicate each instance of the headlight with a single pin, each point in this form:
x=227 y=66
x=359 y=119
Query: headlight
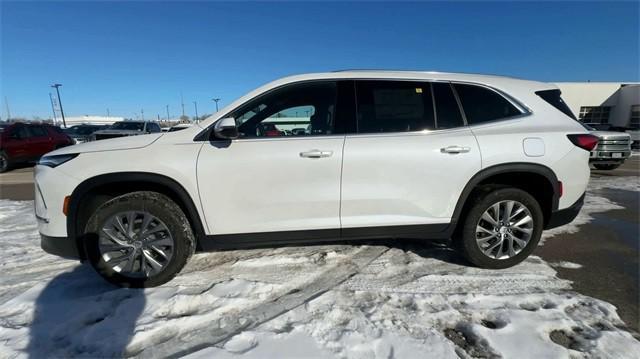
x=56 y=160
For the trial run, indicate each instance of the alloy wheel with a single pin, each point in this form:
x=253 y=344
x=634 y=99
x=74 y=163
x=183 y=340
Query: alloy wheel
x=504 y=229
x=136 y=244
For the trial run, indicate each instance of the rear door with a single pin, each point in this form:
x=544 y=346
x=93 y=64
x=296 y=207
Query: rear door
x=17 y=143
x=40 y=142
x=409 y=160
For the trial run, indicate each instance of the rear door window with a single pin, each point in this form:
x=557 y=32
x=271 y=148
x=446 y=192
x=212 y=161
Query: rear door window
x=481 y=104
x=394 y=106
x=38 y=131
x=447 y=109
x=20 y=132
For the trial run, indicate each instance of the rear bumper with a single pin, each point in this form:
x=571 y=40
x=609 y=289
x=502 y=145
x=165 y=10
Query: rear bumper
x=59 y=246
x=563 y=216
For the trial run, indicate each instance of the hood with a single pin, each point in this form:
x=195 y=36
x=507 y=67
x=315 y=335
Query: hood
x=611 y=134
x=120 y=143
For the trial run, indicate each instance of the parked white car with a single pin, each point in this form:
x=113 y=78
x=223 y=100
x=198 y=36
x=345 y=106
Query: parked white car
x=485 y=160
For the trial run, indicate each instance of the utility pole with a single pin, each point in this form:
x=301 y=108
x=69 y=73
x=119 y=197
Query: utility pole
x=182 y=103
x=167 y=112
x=53 y=108
x=216 y=101
x=196 y=105
x=108 y=113
x=6 y=103
x=56 y=86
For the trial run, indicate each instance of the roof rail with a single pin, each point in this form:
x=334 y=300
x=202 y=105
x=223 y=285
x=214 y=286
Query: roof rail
x=381 y=70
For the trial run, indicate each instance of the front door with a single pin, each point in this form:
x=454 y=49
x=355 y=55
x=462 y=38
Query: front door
x=283 y=172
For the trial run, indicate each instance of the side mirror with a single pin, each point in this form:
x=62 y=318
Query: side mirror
x=225 y=129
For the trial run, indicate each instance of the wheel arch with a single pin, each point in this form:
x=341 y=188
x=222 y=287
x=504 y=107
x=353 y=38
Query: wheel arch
x=92 y=192
x=540 y=181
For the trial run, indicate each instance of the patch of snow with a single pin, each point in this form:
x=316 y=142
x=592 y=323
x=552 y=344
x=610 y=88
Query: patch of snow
x=565 y=264
x=241 y=343
x=289 y=345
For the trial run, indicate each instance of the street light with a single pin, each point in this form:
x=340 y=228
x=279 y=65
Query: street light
x=196 y=105
x=56 y=86
x=167 y=112
x=53 y=108
x=216 y=101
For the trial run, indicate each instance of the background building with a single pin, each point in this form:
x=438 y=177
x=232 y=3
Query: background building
x=86 y=119
x=613 y=103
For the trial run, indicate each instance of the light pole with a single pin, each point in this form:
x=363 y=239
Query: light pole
x=216 y=101
x=167 y=112
x=108 y=113
x=196 y=105
x=53 y=108
x=56 y=86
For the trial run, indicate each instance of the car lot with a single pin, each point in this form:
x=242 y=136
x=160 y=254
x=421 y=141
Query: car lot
x=356 y=300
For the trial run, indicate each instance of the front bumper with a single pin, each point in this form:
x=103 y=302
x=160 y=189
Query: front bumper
x=610 y=156
x=60 y=246
x=567 y=215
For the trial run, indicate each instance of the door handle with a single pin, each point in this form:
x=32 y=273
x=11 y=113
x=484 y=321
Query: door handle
x=455 y=149
x=316 y=154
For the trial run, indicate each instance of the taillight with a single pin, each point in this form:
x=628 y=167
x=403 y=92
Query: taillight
x=584 y=141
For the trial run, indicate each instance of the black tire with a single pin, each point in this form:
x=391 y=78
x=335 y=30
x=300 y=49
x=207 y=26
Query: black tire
x=482 y=200
x=605 y=167
x=4 y=162
x=157 y=205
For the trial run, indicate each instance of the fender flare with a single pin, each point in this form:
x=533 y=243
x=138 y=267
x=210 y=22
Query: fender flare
x=122 y=177
x=521 y=167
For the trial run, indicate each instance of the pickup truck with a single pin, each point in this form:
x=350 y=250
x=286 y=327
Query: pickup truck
x=612 y=150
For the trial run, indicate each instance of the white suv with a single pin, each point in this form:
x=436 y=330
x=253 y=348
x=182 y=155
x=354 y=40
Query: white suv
x=487 y=161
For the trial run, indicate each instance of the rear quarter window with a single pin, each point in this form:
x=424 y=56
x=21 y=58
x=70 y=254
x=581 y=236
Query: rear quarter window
x=553 y=98
x=482 y=105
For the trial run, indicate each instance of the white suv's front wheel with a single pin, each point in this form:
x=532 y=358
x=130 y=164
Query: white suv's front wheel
x=502 y=227
x=140 y=239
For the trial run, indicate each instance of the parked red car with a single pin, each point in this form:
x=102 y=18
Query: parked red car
x=23 y=142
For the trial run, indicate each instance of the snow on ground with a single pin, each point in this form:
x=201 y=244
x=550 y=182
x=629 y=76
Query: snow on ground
x=382 y=300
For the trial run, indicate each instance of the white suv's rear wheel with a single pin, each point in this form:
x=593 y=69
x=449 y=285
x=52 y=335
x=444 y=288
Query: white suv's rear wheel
x=140 y=239
x=501 y=229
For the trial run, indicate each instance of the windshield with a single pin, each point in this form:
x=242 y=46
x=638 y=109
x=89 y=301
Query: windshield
x=130 y=126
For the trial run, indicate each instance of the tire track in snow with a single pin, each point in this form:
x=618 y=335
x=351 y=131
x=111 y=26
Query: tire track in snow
x=253 y=317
